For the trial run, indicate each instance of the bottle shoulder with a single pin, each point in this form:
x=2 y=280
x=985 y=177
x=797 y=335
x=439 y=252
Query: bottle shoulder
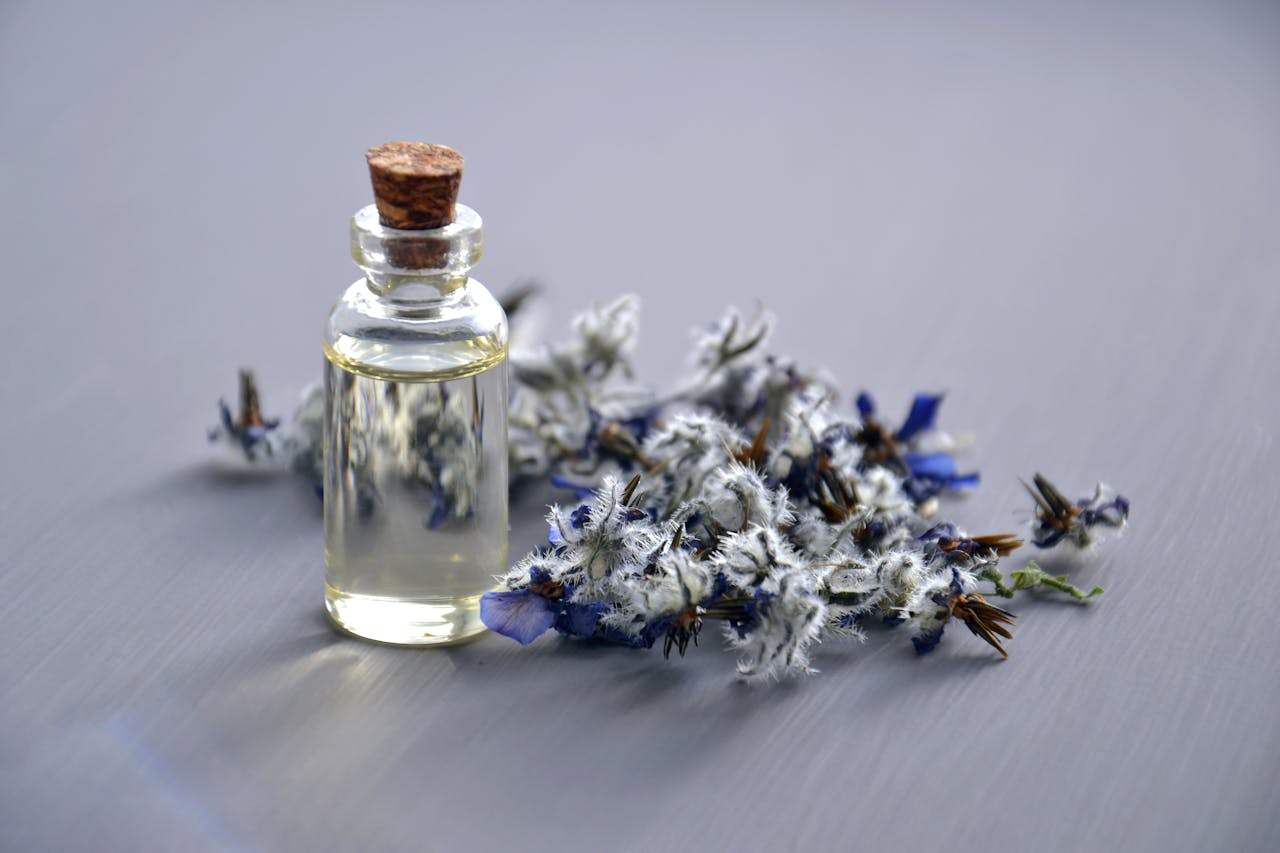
x=461 y=334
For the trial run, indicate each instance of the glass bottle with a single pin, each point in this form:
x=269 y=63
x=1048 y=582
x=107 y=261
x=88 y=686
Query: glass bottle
x=415 y=482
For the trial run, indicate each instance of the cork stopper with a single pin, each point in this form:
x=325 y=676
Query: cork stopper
x=415 y=184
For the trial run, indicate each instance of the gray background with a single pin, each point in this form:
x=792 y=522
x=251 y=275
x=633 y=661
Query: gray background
x=1064 y=214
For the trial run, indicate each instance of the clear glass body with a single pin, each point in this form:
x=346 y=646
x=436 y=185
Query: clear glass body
x=415 y=482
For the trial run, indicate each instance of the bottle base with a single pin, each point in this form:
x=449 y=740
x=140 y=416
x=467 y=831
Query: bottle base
x=404 y=622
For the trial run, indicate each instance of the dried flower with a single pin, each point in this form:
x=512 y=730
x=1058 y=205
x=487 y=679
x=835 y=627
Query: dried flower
x=248 y=431
x=761 y=506
x=1078 y=523
x=925 y=473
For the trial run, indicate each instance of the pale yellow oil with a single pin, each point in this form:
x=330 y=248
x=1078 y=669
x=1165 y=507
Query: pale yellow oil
x=415 y=494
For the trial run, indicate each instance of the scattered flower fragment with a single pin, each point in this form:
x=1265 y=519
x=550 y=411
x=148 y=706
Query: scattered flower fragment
x=1078 y=523
x=247 y=431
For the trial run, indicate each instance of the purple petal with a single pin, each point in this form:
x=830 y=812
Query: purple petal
x=935 y=466
x=580 y=620
x=518 y=614
x=582 y=490
x=924 y=410
x=580 y=516
x=927 y=641
x=945 y=530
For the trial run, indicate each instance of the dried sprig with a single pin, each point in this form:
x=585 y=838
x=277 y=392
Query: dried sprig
x=748 y=496
x=1033 y=577
x=778 y=516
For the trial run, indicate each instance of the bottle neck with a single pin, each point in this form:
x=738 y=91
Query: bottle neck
x=415 y=269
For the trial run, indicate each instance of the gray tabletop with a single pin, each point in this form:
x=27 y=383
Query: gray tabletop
x=1068 y=217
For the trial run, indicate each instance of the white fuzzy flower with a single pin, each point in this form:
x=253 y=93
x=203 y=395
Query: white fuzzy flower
x=685 y=452
x=748 y=557
x=851 y=576
x=727 y=340
x=606 y=535
x=547 y=369
x=788 y=616
x=881 y=490
x=671 y=585
x=898 y=576
x=607 y=333
x=734 y=497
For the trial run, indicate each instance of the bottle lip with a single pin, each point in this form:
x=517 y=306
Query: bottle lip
x=451 y=249
x=465 y=221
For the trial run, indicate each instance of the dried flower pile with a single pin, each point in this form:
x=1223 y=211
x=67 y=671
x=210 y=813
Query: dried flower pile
x=748 y=496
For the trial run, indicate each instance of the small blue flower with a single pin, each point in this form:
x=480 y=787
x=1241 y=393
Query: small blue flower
x=1059 y=519
x=248 y=429
x=924 y=474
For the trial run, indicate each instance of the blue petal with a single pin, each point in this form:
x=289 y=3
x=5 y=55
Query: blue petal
x=927 y=641
x=582 y=491
x=945 y=530
x=440 y=511
x=963 y=481
x=1113 y=512
x=224 y=413
x=640 y=425
x=580 y=620
x=850 y=620
x=935 y=466
x=924 y=410
x=1045 y=536
x=519 y=614
x=866 y=405
x=553 y=534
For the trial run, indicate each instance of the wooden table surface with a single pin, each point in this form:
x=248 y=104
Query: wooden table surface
x=1066 y=216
